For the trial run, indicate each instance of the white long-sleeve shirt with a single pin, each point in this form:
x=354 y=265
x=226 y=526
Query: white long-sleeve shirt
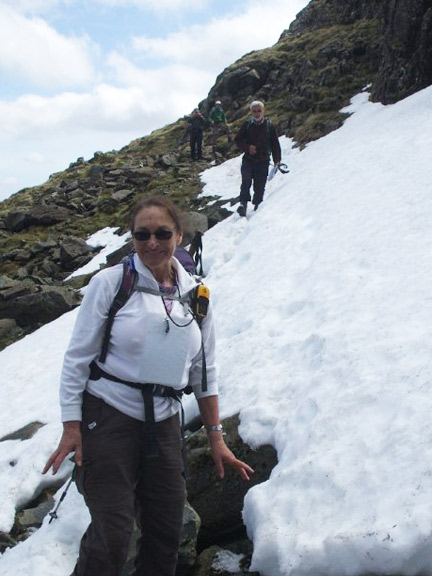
x=140 y=349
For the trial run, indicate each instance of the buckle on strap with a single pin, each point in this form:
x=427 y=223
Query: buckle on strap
x=148 y=391
x=96 y=373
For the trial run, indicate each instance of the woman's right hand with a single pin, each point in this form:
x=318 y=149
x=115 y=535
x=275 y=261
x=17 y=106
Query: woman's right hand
x=70 y=442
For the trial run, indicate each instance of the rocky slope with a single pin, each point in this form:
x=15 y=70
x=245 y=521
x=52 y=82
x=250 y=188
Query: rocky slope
x=334 y=49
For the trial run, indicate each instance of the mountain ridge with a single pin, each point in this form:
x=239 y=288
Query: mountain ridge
x=333 y=50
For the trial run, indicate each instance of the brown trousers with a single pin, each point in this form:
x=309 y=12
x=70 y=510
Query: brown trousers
x=120 y=485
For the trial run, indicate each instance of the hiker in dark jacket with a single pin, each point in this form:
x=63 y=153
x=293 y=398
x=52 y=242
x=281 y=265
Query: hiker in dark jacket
x=127 y=444
x=197 y=124
x=257 y=138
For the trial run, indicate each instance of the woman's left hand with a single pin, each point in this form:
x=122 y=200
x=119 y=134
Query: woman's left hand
x=222 y=455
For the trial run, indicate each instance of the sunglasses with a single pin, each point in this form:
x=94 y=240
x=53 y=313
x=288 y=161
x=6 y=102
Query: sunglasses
x=160 y=234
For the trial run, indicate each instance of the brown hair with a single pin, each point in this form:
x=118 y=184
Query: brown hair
x=159 y=202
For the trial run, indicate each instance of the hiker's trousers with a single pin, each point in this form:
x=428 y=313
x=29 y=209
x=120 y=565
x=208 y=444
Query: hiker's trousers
x=196 y=138
x=255 y=172
x=120 y=484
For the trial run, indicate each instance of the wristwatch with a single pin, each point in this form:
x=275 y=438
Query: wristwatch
x=215 y=428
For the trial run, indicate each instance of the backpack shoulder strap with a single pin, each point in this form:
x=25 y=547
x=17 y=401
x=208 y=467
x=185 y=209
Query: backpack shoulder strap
x=195 y=251
x=129 y=279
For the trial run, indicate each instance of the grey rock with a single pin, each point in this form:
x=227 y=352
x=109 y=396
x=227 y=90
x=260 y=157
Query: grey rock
x=17 y=290
x=42 y=246
x=96 y=174
x=37 y=216
x=406 y=64
x=187 y=550
x=168 y=160
x=121 y=195
x=71 y=248
x=24 y=433
x=6 y=282
x=40 y=307
x=16 y=221
x=193 y=222
x=33 y=517
x=220 y=503
x=223 y=560
x=6 y=541
x=8 y=327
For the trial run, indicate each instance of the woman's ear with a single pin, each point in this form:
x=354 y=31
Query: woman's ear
x=179 y=238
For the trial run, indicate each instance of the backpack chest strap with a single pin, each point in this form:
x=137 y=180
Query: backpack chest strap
x=182 y=299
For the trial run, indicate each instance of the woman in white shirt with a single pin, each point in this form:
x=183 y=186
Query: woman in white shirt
x=128 y=448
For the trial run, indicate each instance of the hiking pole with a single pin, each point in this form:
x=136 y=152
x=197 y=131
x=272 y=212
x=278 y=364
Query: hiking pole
x=53 y=514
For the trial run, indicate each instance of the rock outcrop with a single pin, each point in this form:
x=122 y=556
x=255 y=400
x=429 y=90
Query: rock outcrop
x=406 y=62
x=333 y=50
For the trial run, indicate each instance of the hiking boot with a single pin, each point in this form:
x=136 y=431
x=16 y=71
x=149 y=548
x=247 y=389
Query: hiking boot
x=256 y=207
x=241 y=210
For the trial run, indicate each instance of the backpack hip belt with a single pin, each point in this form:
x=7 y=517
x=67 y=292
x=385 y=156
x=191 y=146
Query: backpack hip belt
x=148 y=391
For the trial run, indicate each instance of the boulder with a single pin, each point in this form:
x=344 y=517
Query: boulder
x=6 y=282
x=72 y=248
x=96 y=174
x=233 y=559
x=6 y=541
x=8 y=327
x=16 y=221
x=42 y=215
x=17 y=290
x=33 y=517
x=220 y=503
x=193 y=222
x=41 y=306
x=187 y=550
x=121 y=195
x=24 y=433
x=42 y=246
x=406 y=64
x=168 y=160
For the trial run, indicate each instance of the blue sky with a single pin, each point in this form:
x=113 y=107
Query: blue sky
x=77 y=77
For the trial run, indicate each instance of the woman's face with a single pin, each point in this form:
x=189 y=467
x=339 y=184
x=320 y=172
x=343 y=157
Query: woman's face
x=154 y=253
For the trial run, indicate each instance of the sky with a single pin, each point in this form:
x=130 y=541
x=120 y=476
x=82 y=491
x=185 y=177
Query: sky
x=82 y=76
x=323 y=318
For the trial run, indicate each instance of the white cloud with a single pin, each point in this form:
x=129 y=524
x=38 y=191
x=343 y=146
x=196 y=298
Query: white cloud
x=146 y=97
x=34 y=52
x=32 y=6
x=126 y=99
x=217 y=43
x=35 y=158
x=175 y=85
x=159 y=5
x=10 y=181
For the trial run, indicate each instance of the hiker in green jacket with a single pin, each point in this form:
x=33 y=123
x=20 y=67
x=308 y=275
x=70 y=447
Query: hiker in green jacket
x=218 y=123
